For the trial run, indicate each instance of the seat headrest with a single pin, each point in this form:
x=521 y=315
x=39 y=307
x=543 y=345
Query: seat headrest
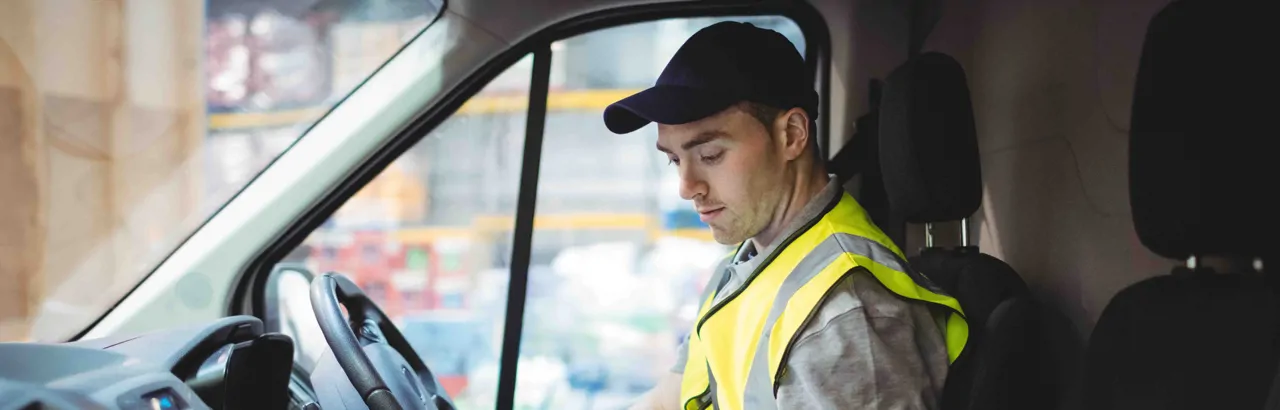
x=928 y=141
x=1203 y=123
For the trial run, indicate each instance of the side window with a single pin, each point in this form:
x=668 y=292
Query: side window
x=619 y=259
x=429 y=239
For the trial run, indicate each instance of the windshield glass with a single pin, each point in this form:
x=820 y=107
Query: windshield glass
x=125 y=125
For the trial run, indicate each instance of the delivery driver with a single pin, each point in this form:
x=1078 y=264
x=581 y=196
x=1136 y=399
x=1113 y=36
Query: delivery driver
x=816 y=308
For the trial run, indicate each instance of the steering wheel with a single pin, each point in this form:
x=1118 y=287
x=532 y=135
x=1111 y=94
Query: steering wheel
x=375 y=356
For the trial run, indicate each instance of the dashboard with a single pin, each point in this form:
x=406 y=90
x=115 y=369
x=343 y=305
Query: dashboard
x=228 y=364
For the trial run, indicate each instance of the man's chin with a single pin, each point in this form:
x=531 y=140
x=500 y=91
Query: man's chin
x=725 y=238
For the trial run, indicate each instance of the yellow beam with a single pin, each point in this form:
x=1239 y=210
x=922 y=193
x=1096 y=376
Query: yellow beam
x=481 y=104
x=691 y=233
x=423 y=235
x=264 y=119
x=432 y=234
x=584 y=221
x=585 y=99
x=489 y=224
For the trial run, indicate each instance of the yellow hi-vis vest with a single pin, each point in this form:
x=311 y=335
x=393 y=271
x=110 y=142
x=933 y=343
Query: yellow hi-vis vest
x=738 y=347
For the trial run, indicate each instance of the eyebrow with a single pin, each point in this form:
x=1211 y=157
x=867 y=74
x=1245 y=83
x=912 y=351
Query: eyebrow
x=703 y=138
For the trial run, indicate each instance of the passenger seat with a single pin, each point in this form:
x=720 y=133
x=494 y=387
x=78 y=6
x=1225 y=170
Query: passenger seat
x=1202 y=183
x=928 y=155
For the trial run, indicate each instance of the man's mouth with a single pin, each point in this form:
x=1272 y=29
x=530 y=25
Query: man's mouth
x=706 y=215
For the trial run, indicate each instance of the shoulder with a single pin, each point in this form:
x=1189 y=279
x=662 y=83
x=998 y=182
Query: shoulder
x=861 y=336
x=859 y=310
x=861 y=297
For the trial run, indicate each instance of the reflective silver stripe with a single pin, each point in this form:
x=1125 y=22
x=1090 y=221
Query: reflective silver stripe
x=717 y=281
x=883 y=255
x=759 y=389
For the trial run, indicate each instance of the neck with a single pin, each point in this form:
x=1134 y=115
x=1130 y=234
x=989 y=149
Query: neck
x=805 y=186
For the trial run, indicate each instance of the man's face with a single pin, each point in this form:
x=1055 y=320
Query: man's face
x=731 y=170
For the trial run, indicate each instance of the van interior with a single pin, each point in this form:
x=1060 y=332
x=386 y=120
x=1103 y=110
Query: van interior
x=189 y=224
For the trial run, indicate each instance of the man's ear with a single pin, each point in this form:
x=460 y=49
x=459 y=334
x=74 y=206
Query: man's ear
x=794 y=125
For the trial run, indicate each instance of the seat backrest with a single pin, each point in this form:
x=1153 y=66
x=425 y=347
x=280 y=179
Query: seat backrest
x=929 y=161
x=1201 y=185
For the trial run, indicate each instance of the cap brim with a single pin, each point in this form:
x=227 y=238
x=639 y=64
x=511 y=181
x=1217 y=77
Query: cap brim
x=663 y=105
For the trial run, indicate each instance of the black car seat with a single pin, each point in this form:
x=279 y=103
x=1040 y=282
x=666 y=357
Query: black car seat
x=928 y=153
x=1202 y=185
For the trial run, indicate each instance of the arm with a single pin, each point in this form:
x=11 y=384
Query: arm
x=664 y=396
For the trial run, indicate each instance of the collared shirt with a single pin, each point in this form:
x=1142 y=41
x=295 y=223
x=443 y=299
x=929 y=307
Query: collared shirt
x=866 y=347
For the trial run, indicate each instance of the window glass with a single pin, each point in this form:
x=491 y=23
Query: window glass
x=618 y=258
x=143 y=117
x=429 y=239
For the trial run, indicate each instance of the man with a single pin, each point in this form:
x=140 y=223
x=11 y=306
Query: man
x=816 y=308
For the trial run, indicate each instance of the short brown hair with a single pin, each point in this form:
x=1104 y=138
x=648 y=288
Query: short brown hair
x=766 y=114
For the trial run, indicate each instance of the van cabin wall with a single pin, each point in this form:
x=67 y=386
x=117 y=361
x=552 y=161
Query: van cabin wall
x=1051 y=84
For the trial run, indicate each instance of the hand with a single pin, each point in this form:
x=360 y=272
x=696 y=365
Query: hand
x=664 y=396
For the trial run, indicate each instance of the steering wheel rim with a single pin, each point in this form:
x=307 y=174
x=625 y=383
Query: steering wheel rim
x=340 y=291
x=369 y=330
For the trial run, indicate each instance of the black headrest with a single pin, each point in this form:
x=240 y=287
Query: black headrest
x=1201 y=146
x=928 y=141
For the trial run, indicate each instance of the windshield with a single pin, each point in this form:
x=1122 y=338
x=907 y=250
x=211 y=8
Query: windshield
x=136 y=121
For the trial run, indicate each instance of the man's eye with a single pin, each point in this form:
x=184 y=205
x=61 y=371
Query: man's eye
x=673 y=161
x=712 y=158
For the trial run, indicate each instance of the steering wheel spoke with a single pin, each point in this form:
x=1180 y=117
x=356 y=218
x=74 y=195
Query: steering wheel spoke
x=373 y=354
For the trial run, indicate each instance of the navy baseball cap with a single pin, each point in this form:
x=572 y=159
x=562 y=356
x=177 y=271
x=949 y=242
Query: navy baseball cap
x=719 y=66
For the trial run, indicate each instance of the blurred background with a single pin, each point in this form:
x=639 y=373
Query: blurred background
x=124 y=124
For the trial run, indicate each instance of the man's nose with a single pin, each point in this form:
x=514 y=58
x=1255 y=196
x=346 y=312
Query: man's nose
x=691 y=184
